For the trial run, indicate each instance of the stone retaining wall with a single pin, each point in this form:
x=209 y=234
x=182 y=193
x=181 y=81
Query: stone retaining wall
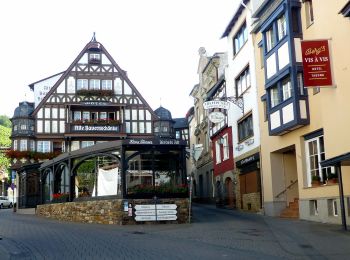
x=251 y=202
x=109 y=211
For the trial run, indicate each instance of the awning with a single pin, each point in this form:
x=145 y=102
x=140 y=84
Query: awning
x=337 y=162
x=342 y=160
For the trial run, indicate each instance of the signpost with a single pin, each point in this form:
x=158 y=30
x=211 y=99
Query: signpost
x=155 y=212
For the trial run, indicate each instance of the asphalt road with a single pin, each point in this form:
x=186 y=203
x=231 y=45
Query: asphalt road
x=214 y=234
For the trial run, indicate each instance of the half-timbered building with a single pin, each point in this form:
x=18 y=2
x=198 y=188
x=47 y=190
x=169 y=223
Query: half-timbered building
x=137 y=153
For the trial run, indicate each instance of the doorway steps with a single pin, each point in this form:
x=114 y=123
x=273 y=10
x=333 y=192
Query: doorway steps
x=292 y=211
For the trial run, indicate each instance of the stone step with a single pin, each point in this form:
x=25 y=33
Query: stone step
x=292 y=211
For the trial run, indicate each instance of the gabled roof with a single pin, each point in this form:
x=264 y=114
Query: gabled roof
x=93 y=44
x=32 y=84
x=234 y=18
x=346 y=10
x=180 y=123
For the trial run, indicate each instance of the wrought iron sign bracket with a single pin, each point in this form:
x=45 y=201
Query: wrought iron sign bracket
x=238 y=101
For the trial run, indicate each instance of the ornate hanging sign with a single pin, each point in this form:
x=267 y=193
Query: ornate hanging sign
x=216 y=104
x=216 y=117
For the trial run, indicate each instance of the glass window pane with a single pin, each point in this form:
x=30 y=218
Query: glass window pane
x=47 y=112
x=127 y=114
x=54 y=126
x=62 y=126
x=134 y=114
x=47 y=126
x=39 y=126
x=118 y=86
x=141 y=114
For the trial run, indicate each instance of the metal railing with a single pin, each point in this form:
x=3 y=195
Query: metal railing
x=287 y=188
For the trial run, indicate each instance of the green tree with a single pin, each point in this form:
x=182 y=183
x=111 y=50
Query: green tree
x=5 y=133
x=5 y=141
x=5 y=121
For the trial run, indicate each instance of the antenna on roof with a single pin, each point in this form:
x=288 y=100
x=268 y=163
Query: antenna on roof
x=94 y=37
x=160 y=101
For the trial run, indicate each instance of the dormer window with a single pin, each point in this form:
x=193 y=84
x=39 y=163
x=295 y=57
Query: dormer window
x=94 y=58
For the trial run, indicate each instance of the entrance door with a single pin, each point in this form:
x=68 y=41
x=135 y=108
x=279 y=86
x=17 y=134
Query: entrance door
x=229 y=193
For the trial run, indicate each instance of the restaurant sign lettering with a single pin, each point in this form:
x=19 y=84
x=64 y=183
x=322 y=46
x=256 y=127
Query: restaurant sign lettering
x=316 y=63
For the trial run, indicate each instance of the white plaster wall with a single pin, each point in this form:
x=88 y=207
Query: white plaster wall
x=235 y=66
x=43 y=87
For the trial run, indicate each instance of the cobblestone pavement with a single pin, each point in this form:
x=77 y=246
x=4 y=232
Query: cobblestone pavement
x=214 y=234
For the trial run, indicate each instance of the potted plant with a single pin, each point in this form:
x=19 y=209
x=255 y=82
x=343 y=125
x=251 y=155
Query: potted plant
x=316 y=181
x=332 y=178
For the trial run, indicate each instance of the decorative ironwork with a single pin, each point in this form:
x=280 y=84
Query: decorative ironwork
x=238 y=101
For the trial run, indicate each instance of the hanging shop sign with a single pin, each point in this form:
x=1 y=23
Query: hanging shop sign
x=216 y=117
x=216 y=104
x=316 y=63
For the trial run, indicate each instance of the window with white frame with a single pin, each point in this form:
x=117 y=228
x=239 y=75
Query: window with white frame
x=226 y=151
x=82 y=84
x=332 y=207
x=313 y=208
x=94 y=84
x=103 y=115
x=15 y=143
x=54 y=128
x=62 y=113
x=274 y=96
x=335 y=208
x=43 y=146
x=23 y=145
x=54 y=112
x=286 y=89
x=94 y=57
x=281 y=27
x=47 y=126
x=270 y=39
x=87 y=144
x=76 y=115
x=31 y=145
x=39 y=126
x=300 y=81
x=245 y=127
x=217 y=152
x=86 y=116
x=62 y=126
x=315 y=154
x=107 y=84
x=240 y=38
x=243 y=82
x=47 y=112
x=75 y=145
x=309 y=12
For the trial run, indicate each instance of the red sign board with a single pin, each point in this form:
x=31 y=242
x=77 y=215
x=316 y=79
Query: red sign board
x=316 y=63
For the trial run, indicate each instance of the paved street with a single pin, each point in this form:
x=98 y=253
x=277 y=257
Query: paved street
x=214 y=234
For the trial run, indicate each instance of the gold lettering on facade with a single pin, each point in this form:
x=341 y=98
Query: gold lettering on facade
x=316 y=51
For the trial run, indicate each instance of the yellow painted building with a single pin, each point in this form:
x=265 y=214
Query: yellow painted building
x=302 y=126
